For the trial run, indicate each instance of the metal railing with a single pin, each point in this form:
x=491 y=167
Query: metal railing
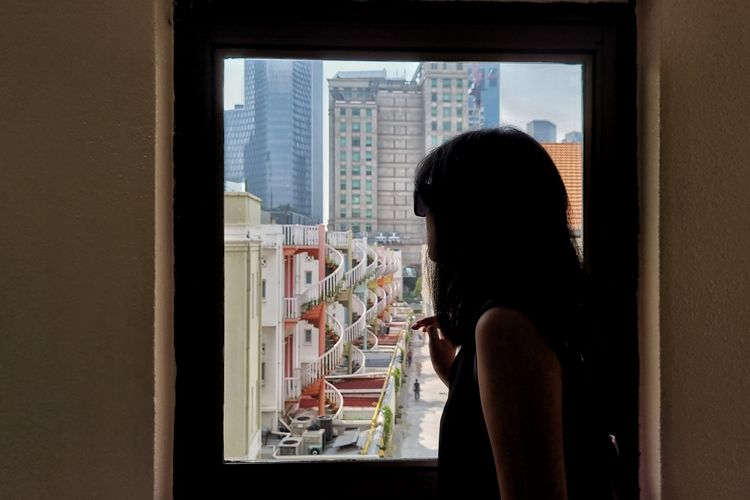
x=291 y=388
x=357 y=328
x=358 y=357
x=334 y=396
x=372 y=268
x=329 y=360
x=356 y=274
x=328 y=286
x=298 y=235
x=338 y=239
x=372 y=312
x=291 y=308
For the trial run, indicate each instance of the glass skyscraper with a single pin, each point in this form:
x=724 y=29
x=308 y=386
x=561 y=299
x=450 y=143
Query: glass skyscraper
x=275 y=137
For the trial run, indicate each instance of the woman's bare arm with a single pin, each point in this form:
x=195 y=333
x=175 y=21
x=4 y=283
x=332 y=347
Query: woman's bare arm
x=520 y=385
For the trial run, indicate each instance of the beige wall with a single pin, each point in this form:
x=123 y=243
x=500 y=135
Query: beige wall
x=86 y=370
x=85 y=181
x=695 y=118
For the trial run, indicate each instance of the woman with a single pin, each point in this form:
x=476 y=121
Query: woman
x=507 y=287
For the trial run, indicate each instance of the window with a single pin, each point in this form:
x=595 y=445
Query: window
x=308 y=336
x=356 y=228
x=369 y=112
x=263 y=373
x=355 y=169
x=342 y=141
x=308 y=277
x=355 y=127
x=368 y=228
x=433 y=66
x=342 y=199
x=355 y=199
x=368 y=155
x=263 y=289
x=342 y=185
x=433 y=125
x=368 y=127
x=342 y=213
x=355 y=142
x=355 y=184
x=342 y=155
x=446 y=126
x=459 y=126
x=447 y=112
x=446 y=82
x=355 y=213
x=342 y=111
x=355 y=111
x=459 y=82
x=368 y=214
x=342 y=170
x=459 y=111
x=355 y=155
x=434 y=97
x=368 y=169
x=459 y=97
x=368 y=198
x=193 y=148
x=342 y=126
x=447 y=97
x=368 y=185
x=368 y=141
x=433 y=111
x=433 y=140
x=459 y=66
x=433 y=82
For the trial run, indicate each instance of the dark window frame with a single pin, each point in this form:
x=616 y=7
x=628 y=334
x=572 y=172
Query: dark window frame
x=206 y=31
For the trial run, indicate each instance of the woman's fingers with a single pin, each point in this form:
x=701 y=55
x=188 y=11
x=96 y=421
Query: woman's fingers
x=429 y=320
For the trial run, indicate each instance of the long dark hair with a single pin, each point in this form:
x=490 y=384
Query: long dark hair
x=502 y=232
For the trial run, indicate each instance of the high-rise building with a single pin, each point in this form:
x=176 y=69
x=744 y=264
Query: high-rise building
x=274 y=143
x=573 y=137
x=379 y=130
x=484 y=95
x=542 y=130
x=238 y=124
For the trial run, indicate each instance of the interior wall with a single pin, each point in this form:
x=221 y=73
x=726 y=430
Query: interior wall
x=695 y=116
x=85 y=141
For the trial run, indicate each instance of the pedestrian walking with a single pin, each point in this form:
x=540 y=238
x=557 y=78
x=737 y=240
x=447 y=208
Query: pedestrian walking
x=416 y=390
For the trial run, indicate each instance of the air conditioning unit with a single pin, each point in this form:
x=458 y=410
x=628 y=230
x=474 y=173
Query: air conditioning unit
x=301 y=424
x=290 y=446
x=313 y=441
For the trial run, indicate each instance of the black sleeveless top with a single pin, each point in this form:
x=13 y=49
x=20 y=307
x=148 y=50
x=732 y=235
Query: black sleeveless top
x=466 y=466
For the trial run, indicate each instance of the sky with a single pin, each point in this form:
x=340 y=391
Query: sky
x=528 y=91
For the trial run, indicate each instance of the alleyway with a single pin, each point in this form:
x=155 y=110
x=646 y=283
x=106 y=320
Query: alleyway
x=416 y=434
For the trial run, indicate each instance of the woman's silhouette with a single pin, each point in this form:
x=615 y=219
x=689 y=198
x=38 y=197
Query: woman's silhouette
x=507 y=286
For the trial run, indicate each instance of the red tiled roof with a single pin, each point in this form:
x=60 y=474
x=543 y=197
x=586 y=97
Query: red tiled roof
x=568 y=158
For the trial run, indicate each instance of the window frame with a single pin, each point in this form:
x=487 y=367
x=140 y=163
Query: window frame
x=207 y=31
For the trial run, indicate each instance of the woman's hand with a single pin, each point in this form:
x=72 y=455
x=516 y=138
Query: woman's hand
x=442 y=350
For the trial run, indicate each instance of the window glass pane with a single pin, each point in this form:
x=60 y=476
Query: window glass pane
x=280 y=146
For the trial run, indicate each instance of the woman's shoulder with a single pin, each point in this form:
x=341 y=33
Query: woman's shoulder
x=511 y=333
